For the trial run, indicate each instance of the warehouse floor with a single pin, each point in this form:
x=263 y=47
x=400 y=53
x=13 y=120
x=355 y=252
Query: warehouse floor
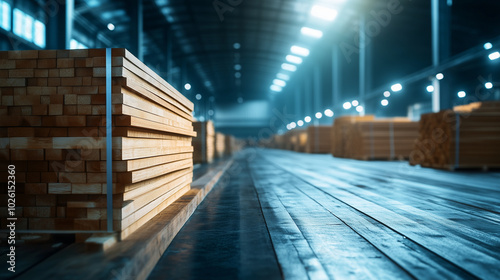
x=318 y=217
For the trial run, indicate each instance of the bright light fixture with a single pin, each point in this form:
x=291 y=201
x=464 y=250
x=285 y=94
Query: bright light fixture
x=319 y=115
x=315 y=33
x=493 y=56
x=461 y=94
x=347 y=105
x=300 y=123
x=187 y=86
x=293 y=59
x=359 y=109
x=289 y=67
x=293 y=125
x=283 y=77
x=488 y=46
x=307 y=119
x=429 y=88
x=299 y=51
x=387 y=93
x=355 y=103
x=280 y=83
x=288 y=126
x=198 y=96
x=384 y=102
x=440 y=76
x=324 y=12
x=111 y=26
x=488 y=85
x=396 y=87
x=237 y=67
x=329 y=113
x=276 y=88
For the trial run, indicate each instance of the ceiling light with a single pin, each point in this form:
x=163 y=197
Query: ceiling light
x=289 y=127
x=329 y=113
x=488 y=46
x=280 y=83
x=289 y=67
x=299 y=51
x=355 y=103
x=283 y=77
x=187 y=86
x=384 y=102
x=198 y=96
x=293 y=125
x=396 y=87
x=237 y=67
x=440 y=76
x=300 y=123
x=319 y=115
x=236 y=46
x=276 y=88
x=493 y=56
x=324 y=13
x=359 y=109
x=488 y=85
x=461 y=94
x=311 y=32
x=430 y=88
x=294 y=59
x=111 y=26
x=387 y=93
x=307 y=119
x=347 y=105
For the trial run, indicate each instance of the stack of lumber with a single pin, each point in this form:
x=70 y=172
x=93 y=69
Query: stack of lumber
x=53 y=128
x=229 y=145
x=299 y=140
x=219 y=143
x=382 y=139
x=203 y=143
x=319 y=139
x=339 y=136
x=465 y=137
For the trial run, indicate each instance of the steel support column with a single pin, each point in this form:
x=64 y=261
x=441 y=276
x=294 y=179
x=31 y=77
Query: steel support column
x=441 y=24
x=336 y=76
x=60 y=26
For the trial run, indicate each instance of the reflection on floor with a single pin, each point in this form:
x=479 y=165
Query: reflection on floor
x=320 y=217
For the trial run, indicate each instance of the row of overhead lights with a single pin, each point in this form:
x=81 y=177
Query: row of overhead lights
x=298 y=53
x=328 y=113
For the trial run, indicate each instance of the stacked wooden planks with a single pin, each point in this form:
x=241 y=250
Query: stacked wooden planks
x=219 y=145
x=466 y=137
x=382 y=139
x=339 y=136
x=319 y=139
x=203 y=143
x=53 y=128
x=229 y=145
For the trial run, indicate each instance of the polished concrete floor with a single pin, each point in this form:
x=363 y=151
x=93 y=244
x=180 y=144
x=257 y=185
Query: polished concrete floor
x=281 y=214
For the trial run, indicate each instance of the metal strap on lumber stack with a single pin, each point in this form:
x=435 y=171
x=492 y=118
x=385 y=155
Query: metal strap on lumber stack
x=340 y=126
x=54 y=124
x=382 y=139
x=319 y=139
x=203 y=143
x=466 y=137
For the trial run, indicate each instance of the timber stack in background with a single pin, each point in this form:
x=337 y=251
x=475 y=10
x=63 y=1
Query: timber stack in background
x=53 y=128
x=319 y=139
x=341 y=126
x=204 y=142
x=466 y=137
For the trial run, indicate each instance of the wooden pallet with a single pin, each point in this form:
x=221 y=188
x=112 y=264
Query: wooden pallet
x=52 y=124
x=466 y=137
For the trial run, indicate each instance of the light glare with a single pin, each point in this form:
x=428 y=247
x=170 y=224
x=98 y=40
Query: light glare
x=387 y=93
x=293 y=59
x=311 y=32
x=276 y=88
x=319 y=115
x=359 y=109
x=347 y=105
x=440 y=76
x=494 y=56
x=324 y=13
x=329 y=113
x=280 y=83
x=488 y=85
x=300 y=123
x=430 y=88
x=307 y=119
x=461 y=94
x=396 y=87
x=384 y=102
x=288 y=67
x=355 y=103
x=283 y=77
x=111 y=26
x=187 y=86
x=488 y=46
x=299 y=51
